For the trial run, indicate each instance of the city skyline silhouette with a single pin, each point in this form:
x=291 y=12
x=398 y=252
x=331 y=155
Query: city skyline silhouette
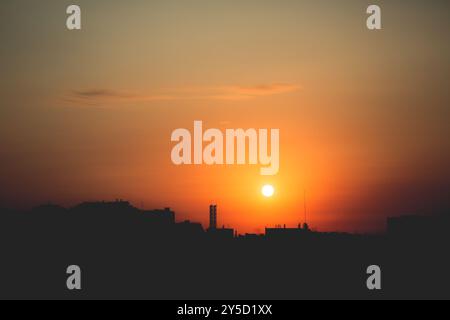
x=147 y=254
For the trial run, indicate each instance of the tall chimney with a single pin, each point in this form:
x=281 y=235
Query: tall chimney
x=212 y=217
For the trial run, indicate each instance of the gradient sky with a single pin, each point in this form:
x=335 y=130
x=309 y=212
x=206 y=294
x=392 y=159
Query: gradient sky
x=364 y=116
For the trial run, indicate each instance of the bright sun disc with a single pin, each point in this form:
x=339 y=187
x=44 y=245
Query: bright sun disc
x=268 y=191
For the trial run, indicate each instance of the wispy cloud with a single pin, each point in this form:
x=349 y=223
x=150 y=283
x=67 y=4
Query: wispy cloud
x=102 y=96
x=266 y=90
x=100 y=93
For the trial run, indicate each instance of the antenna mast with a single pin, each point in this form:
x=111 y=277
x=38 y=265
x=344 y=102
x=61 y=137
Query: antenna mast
x=304 y=203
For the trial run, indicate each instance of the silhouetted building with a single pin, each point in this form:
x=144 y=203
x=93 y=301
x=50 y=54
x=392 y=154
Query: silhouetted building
x=251 y=236
x=283 y=232
x=212 y=217
x=105 y=207
x=223 y=233
x=189 y=230
x=213 y=231
x=164 y=216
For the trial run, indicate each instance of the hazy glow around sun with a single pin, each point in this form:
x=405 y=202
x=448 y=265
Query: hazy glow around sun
x=268 y=191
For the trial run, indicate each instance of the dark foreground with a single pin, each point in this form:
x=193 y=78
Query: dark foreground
x=124 y=256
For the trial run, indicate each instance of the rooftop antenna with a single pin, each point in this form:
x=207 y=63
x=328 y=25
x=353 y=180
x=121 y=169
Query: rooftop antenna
x=304 y=203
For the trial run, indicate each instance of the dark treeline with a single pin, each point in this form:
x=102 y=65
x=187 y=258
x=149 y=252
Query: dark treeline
x=125 y=252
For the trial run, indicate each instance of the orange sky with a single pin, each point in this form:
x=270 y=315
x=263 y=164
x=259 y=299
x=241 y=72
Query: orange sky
x=363 y=116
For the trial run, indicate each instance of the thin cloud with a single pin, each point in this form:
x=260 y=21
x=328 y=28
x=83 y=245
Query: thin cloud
x=101 y=96
x=100 y=93
x=266 y=90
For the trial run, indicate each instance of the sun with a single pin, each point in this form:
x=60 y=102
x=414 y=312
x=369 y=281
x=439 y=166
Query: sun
x=268 y=191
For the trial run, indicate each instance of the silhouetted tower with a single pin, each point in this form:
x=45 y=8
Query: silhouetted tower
x=212 y=217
